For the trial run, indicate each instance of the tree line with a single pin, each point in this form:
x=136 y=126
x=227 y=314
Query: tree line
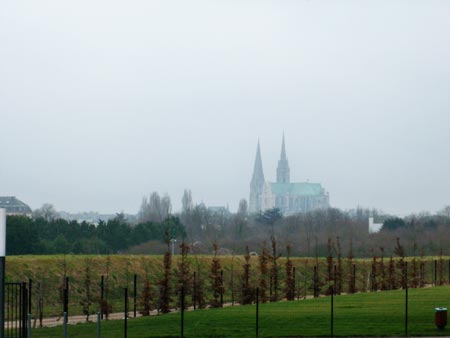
x=307 y=234
x=58 y=236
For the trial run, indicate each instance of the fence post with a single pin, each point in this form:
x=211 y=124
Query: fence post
x=30 y=286
x=29 y=326
x=65 y=324
x=158 y=310
x=294 y=283
x=315 y=281
x=332 y=311
x=2 y=270
x=134 y=295
x=182 y=311
x=406 y=301
x=221 y=288
x=194 y=293
x=435 y=272
x=354 y=279
x=449 y=271
x=24 y=310
x=102 y=294
x=99 y=320
x=66 y=296
x=257 y=312
x=232 y=289
x=270 y=290
x=125 y=310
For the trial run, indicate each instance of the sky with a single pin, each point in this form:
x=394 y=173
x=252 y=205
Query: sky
x=104 y=101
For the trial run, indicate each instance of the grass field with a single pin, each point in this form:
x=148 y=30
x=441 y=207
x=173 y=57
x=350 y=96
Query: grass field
x=364 y=314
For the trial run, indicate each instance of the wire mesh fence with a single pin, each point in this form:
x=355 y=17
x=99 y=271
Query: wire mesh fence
x=363 y=299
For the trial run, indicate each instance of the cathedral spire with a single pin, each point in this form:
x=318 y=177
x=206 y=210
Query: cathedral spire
x=283 y=150
x=257 y=183
x=283 y=172
x=258 y=173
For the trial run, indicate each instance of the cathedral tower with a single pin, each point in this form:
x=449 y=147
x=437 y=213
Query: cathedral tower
x=257 y=183
x=283 y=172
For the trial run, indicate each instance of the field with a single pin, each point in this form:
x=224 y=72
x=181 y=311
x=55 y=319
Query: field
x=47 y=274
x=363 y=314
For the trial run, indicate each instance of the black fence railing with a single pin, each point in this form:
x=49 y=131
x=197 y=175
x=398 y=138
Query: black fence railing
x=16 y=310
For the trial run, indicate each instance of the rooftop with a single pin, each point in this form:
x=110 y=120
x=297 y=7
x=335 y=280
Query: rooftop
x=298 y=188
x=14 y=205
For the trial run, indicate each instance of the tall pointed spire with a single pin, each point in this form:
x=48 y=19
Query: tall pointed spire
x=257 y=183
x=258 y=173
x=283 y=172
x=283 y=150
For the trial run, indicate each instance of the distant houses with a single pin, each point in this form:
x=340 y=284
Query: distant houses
x=14 y=206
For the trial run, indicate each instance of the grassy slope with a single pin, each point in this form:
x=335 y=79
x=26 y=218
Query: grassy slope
x=368 y=314
x=49 y=270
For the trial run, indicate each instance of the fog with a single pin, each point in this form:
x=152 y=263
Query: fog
x=102 y=102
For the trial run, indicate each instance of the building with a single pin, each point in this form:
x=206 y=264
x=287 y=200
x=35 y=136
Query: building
x=374 y=227
x=14 y=206
x=290 y=198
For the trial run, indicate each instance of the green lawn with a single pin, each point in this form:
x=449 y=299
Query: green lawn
x=365 y=314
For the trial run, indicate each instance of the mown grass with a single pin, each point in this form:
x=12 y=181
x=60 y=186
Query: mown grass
x=365 y=314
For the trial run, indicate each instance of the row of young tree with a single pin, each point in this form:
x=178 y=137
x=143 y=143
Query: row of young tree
x=216 y=281
x=276 y=281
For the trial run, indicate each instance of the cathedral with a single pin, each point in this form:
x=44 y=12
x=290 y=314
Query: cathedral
x=289 y=198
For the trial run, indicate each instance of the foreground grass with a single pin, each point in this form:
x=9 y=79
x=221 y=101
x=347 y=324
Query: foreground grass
x=369 y=314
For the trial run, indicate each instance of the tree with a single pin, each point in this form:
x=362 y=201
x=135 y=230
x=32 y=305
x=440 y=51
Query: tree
x=166 y=207
x=290 y=287
x=47 y=212
x=270 y=217
x=330 y=277
x=184 y=269
x=393 y=224
x=339 y=272
x=445 y=211
x=147 y=294
x=144 y=214
x=61 y=245
x=247 y=292
x=216 y=278
x=263 y=272
x=22 y=237
x=274 y=270
x=186 y=202
x=399 y=251
x=87 y=300
x=243 y=208
x=154 y=206
x=165 y=282
x=154 y=209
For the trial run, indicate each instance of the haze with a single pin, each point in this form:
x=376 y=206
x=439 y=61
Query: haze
x=103 y=102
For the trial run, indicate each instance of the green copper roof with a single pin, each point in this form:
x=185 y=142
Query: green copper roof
x=300 y=188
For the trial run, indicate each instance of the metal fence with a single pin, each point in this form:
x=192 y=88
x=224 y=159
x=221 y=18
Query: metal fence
x=16 y=310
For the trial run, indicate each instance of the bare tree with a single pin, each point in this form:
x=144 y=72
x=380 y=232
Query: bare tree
x=154 y=205
x=143 y=214
x=263 y=269
x=289 y=283
x=243 y=208
x=166 y=207
x=445 y=211
x=186 y=202
x=47 y=212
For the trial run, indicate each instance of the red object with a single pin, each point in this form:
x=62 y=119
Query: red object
x=440 y=317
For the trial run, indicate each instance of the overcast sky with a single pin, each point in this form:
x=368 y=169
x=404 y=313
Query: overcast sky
x=103 y=102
